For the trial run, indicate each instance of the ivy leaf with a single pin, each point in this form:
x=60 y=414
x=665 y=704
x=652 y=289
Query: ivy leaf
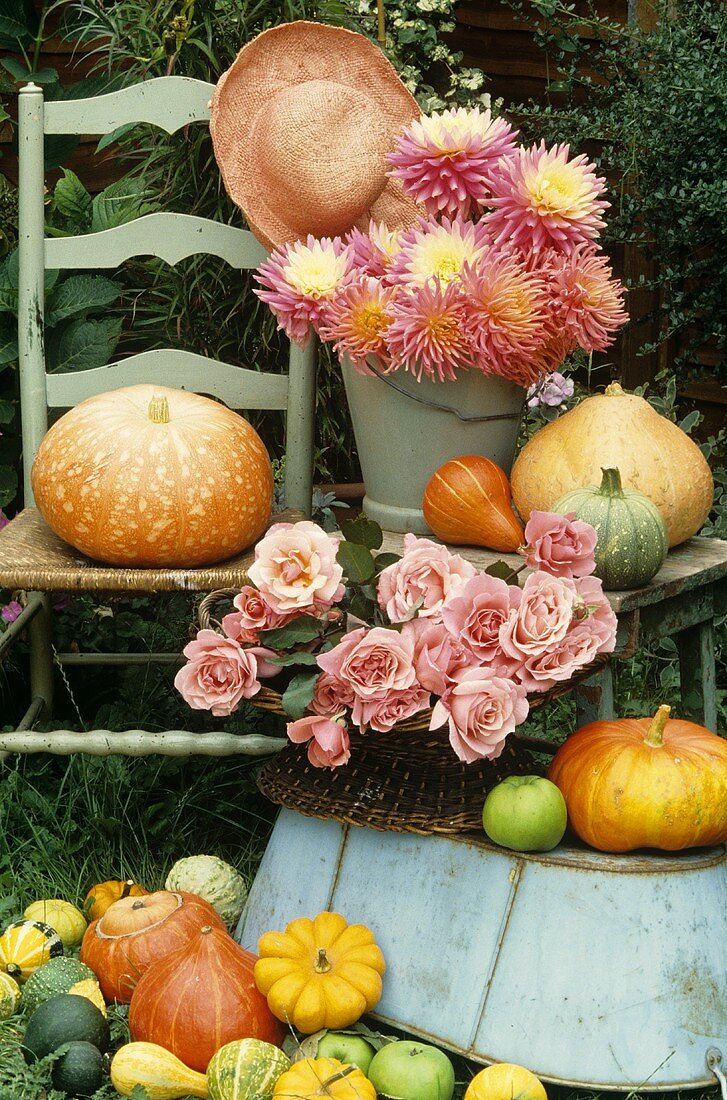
x=80 y=294
x=357 y=562
x=8 y=485
x=299 y=693
x=303 y=629
x=363 y=531
x=72 y=199
x=84 y=345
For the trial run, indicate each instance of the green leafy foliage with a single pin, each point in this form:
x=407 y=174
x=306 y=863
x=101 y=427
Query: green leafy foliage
x=649 y=105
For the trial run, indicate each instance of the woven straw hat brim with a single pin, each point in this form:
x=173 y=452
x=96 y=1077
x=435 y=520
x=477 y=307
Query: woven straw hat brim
x=277 y=60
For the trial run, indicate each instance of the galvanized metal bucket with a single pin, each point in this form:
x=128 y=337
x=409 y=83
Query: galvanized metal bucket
x=607 y=972
x=406 y=429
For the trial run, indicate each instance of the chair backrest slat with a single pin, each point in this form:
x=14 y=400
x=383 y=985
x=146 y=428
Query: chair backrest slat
x=168 y=102
x=172 y=237
x=238 y=387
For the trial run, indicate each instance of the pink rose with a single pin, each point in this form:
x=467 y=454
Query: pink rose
x=295 y=567
x=482 y=708
x=438 y=656
x=542 y=618
x=476 y=615
x=218 y=674
x=383 y=714
x=330 y=696
x=592 y=631
x=373 y=662
x=329 y=741
x=426 y=573
x=561 y=545
x=253 y=614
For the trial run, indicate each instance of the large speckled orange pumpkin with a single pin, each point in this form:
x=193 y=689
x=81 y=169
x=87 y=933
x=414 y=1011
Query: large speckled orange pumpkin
x=621 y=431
x=149 y=476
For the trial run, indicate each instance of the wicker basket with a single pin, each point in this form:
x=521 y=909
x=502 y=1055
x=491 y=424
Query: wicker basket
x=406 y=780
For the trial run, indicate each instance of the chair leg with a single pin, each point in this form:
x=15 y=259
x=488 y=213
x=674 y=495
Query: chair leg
x=40 y=635
x=696 y=662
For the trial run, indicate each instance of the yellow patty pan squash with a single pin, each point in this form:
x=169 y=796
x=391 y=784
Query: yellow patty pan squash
x=321 y=973
x=505 y=1081
x=323 y=1077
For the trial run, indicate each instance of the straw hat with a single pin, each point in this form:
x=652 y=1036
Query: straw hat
x=301 y=125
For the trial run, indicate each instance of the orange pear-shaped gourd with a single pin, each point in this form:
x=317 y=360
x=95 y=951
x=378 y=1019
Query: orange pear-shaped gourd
x=467 y=503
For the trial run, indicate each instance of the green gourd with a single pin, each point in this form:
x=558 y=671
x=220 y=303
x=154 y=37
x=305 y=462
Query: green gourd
x=632 y=537
x=245 y=1068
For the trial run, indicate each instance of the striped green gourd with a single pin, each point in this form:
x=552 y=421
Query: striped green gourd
x=245 y=1068
x=632 y=537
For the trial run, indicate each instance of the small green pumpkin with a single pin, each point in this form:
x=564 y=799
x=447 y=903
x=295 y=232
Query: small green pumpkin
x=245 y=1067
x=632 y=538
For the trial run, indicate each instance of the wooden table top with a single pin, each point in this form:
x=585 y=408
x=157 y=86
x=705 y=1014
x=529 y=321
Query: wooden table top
x=694 y=564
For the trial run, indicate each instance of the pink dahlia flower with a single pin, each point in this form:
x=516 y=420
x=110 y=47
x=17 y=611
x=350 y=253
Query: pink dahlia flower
x=587 y=301
x=444 y=159
x=481 y=708
x=438 y=249
x=506 y=312
x=357 y=319
x=429 y=334
x=373 y=252
x=544 y=199
x=299 y=279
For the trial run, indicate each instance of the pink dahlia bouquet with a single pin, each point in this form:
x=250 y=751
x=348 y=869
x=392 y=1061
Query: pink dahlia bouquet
x=501 y=273
x=356 y=640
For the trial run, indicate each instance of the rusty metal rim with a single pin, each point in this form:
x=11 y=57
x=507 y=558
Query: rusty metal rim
x=572 y=1082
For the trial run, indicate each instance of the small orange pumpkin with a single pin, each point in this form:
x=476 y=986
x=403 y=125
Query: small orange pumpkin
x=103 y=894
x=644 y=783
x=467 y=503
x=135 y=932
x=195 y=1000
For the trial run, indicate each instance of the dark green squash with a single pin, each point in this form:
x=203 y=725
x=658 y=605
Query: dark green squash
x=80 y=1071
x=62 y=1019
x=632 y=538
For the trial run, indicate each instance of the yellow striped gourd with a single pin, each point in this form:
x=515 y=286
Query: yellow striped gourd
x=26 y=945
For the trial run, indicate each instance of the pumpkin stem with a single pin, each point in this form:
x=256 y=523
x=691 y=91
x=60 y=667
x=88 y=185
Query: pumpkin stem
x=13 y=970
x=138 y=905
x=158 y=411
x=322 y=964
x=610 y=483
x=655 y=734
x=127 y=888
x=206 y=929
x=615 y=390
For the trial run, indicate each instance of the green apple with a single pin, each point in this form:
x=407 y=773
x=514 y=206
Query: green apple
x=526 y=813
x=412 y=1071
x=348 y=1047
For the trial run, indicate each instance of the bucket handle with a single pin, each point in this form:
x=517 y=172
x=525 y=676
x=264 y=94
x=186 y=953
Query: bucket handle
x=714 y=1063
x=442 y=408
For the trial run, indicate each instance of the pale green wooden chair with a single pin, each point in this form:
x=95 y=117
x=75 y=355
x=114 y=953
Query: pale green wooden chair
x=32 y=558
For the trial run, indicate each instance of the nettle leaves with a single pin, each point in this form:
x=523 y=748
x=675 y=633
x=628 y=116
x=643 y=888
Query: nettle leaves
x=298 y=642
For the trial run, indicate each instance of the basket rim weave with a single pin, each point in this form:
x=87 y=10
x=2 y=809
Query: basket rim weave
x=407 y=780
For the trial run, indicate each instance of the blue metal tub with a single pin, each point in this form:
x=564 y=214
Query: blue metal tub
x=593 y=970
